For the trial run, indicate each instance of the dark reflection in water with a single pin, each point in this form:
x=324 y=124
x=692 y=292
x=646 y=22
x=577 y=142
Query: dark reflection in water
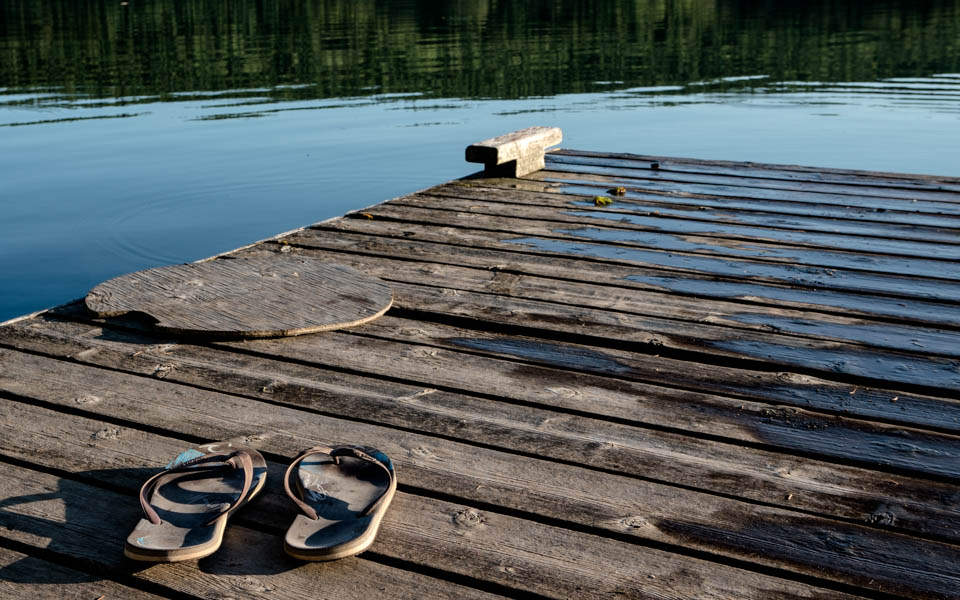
x=462 y=49
x=147 y=132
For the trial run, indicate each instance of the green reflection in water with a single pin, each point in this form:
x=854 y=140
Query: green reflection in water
x=127 y=139
x=463 y=49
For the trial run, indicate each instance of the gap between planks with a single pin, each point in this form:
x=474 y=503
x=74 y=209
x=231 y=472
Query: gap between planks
x=879 y=210
x=619 y=279
x=434 y=535
x=559 y=189
x=860 y=363
x=566 y=235
x=715 y=320
x=816 y=175
x=412 y=366
x=179 y=370
x=626 y=212
x=647 y=261
x=638 y=170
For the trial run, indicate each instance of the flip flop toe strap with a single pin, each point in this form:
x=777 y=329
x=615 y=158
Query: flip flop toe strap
x=208 y=463
x=334 y=454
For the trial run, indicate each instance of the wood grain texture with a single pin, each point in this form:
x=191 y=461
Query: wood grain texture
x=443 y=534
x=487 y=546
x=584 y=212
x=26 y=576
x=735 y=381
x=839 y=218
x=850 y=177
x=710 y=317
x=515 y=154
x=678 y=290
x=568 y=234
x=885 y=363
x=665 y=211
x=865 y=209
x=555 y=435
x=653 y=261
x=946 y=199
x=575 y=363
x=593 y=498
x=80 y=522
x=246 y=297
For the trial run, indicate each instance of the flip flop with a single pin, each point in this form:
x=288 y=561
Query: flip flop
x=188 y=504
x=343 y=492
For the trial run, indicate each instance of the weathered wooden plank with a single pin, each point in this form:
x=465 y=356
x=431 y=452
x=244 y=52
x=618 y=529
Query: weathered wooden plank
x=524 y=206
x=689 y=329
x=416 y=530
x=674 y=379
x=86 y=524
x=563 y=183
x=871 y=209
x=517 y=153
x=293 y=296
x=656 y=208
x=570 y=234
x=926 y=313
x=713 y=319
x=483 y=545
x=25 y=576
x=463 y=538
x=664 y=264
x=683 y=289
x=825 y=359
x=597 y=499
x=654 y=334
x=774 y=427
x=906 y=181
x=803 y=170
x=799 y=189
x=445 y=413
x=683 y=170
x=782 y=388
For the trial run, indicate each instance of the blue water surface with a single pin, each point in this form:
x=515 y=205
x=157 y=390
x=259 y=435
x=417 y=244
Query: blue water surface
x=99 y=182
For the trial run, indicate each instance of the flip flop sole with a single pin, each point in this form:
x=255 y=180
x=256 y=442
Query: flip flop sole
x=344 y=500
x=182 y=536
x=351 y=548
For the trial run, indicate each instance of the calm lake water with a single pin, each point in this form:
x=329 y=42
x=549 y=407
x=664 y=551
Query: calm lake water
x=150 y=132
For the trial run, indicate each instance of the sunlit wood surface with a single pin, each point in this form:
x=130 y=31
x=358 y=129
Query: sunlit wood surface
x=722 y=381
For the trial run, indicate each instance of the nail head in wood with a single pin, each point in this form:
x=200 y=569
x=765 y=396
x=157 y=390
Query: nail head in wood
x=515 y=154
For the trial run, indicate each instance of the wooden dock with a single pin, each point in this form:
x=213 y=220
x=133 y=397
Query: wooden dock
x=733 y=381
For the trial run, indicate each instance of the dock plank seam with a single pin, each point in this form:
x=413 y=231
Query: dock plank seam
x=755 y=195
x=499 y=449
x=810 y=174
x=374 y=556
x=776 y=272
x=567 y=214
x=617 y=277
x=711 y=557
x=330 y=366
x=749 y=183
x=662 y=243
x=880 y=281
x=670 y=320
x=554 y=192
x=94 y=570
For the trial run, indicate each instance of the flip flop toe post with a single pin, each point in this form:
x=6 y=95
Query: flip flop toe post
x=187 y=505
x=343 y=493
